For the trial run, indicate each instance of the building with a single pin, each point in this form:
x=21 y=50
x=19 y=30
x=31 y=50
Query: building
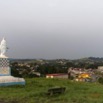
x=100 y=68
x=60 y=75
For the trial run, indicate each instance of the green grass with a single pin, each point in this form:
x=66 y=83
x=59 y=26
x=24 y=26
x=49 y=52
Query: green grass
x=35 y=89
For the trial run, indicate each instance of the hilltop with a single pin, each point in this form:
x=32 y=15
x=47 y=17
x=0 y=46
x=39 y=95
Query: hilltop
x=35 y=92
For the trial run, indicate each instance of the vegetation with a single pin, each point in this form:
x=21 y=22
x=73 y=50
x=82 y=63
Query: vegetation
x=27 y=67
x=100 y=80
x=35 y=92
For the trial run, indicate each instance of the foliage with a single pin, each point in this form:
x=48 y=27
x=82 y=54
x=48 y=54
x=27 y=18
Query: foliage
x=100 y=80
x=24 y=68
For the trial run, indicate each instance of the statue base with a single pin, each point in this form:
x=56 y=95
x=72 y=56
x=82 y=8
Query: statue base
x=5 y=74
x=10 y=80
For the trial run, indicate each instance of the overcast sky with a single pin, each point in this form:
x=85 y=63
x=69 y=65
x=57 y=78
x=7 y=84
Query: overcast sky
x=51 y=29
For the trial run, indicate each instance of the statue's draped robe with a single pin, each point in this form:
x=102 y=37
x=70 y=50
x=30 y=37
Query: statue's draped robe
x=3 y=47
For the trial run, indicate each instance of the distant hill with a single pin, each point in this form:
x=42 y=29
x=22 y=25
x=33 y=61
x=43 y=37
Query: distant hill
x=93 y=59
x=88 y=59
x=96 y=58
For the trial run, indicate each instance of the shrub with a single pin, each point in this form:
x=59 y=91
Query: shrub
x=100 y=80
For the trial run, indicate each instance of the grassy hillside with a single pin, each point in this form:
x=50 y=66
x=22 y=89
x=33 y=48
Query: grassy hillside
x=34 y=92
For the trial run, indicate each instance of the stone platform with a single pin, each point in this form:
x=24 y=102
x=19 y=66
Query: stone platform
x=10 y=80
x=5 y=74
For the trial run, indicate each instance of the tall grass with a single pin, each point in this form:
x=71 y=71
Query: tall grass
x=35 y=92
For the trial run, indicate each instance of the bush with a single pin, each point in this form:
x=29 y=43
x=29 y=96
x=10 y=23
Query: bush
x=100 y=80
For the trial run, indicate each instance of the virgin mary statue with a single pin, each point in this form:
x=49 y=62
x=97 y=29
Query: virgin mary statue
x=3 y=48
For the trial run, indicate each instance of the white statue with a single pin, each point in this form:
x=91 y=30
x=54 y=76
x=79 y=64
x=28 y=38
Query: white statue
x=3 y=48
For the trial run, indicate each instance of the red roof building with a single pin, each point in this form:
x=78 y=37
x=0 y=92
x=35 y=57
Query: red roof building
x=59 y=75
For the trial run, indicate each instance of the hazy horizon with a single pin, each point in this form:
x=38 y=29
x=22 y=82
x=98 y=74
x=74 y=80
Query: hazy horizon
x=52 y=29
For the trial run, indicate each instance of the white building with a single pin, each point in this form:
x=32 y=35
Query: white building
x=100 y=68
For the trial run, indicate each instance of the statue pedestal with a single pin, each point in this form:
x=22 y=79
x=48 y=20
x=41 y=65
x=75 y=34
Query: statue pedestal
x=4 y=67
x=5 y=74
x=10 y=80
